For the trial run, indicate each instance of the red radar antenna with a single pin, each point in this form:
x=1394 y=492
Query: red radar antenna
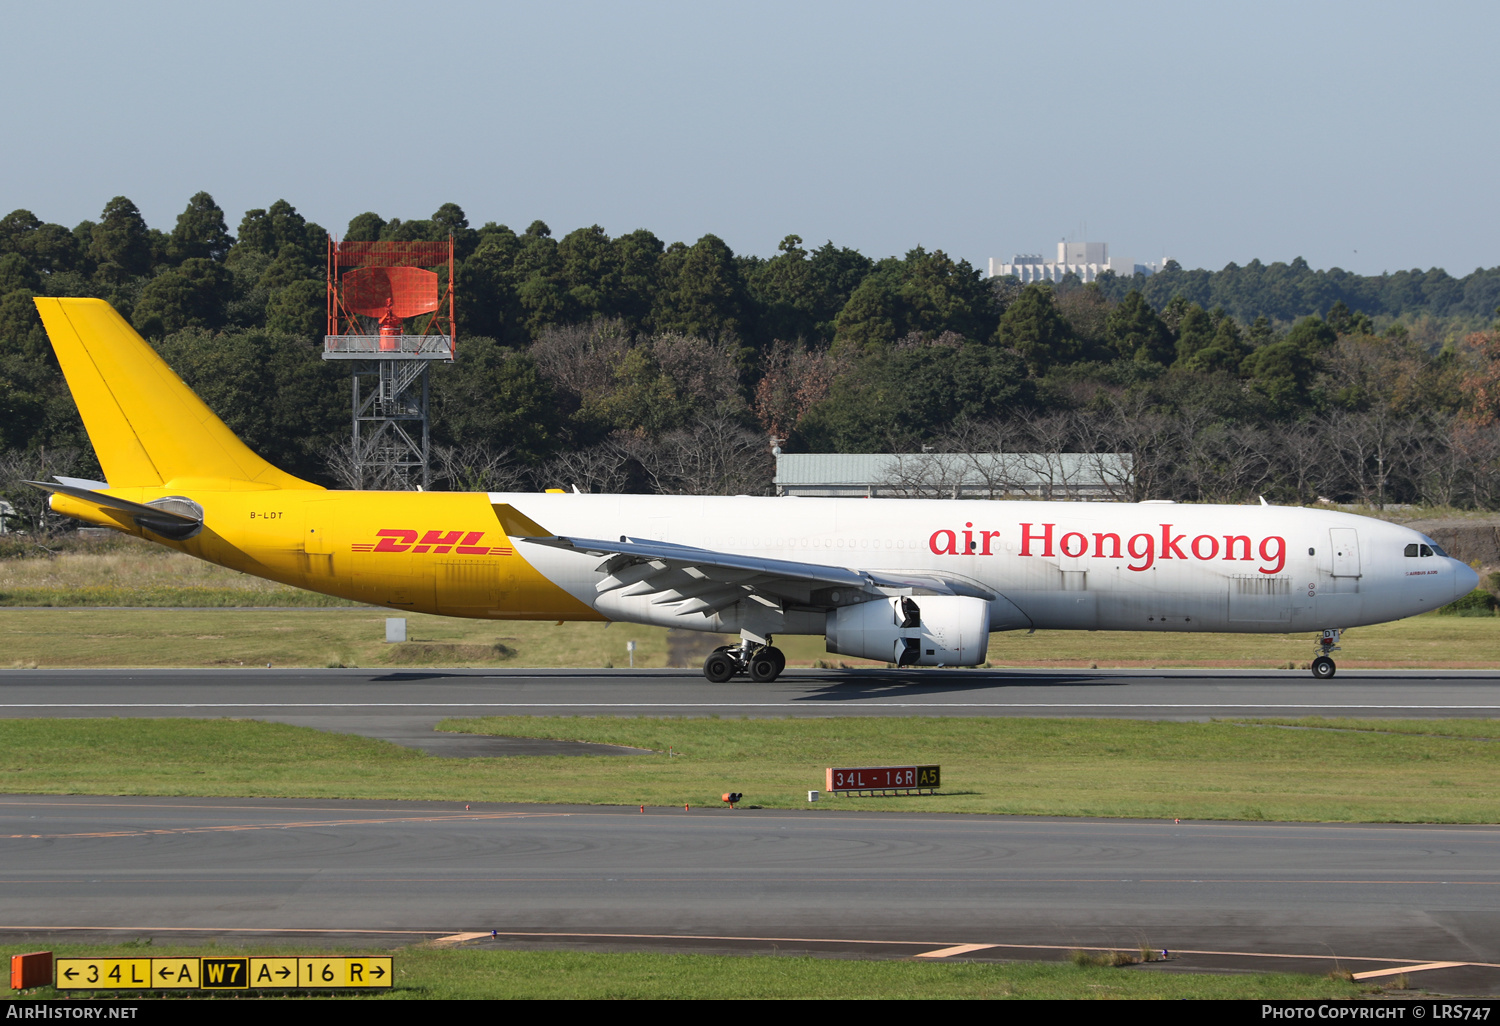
x=390 y=311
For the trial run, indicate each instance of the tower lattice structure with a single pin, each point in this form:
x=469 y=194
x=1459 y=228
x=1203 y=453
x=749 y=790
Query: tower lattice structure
x=390 y=313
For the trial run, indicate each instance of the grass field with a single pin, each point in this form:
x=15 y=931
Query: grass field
x=1119 y=768
x=323 y=637
x=126 y=572
x=427 y=972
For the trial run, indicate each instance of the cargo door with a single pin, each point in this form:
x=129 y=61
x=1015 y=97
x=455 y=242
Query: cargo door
x=468 y=587
x=388 y=573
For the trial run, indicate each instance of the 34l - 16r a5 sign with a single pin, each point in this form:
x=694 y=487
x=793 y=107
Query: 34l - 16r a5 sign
x=882 y=778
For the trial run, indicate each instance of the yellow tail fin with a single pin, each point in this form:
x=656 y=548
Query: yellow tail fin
x=148 y=428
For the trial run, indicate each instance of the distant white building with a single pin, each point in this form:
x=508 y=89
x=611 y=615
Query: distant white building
x=1104 y=476
x=1088 y=260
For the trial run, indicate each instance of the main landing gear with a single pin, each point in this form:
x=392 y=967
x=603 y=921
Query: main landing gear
x=1323 y=667
x=763 y=663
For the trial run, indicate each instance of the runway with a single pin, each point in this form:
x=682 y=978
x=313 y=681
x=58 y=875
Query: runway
x=1215 y=895
x=1187 y=694
x=402 y=706
x=1298 y=897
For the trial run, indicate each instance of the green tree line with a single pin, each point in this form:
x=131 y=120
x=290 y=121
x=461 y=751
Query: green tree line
x=634 y=350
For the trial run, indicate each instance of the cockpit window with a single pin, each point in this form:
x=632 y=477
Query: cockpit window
x=1426 y=551
x=1439 y=551
x=1411 y=550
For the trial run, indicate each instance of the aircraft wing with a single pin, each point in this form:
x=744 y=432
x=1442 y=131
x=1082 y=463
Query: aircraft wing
x=706 y=581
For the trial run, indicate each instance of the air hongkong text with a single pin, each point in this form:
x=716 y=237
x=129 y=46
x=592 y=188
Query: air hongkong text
x=1144 y=548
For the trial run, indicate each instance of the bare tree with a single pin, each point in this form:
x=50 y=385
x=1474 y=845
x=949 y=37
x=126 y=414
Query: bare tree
x=994 y=451
x=1051 y=436
x=926 y=475
x=1141 y=432
x=795 y=377
x=1369 y=447
x=31 y=509
x=1480 y=446
x=339 y=461
x=476 y=467
x=602 y=468
x=1190 y=447
x=1102 y=460
x=375 y=475
x=581 y=359
x=706 y=372
x=712 y=456
x=1300 y=458
x=1437 y=462
x=1241 y=462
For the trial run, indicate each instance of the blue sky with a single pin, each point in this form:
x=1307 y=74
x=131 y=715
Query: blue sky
x=1359 y=135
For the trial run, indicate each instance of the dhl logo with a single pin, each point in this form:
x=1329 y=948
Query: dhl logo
x=399 y=539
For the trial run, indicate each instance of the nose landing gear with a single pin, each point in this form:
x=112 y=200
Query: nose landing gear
x=1324 y=667
x=763 y=663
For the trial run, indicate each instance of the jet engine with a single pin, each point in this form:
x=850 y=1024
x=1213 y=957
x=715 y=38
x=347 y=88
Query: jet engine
x=930 y=630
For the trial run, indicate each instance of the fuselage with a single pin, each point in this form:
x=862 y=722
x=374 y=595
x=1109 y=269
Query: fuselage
x=1048 y=565
x=1052 y=565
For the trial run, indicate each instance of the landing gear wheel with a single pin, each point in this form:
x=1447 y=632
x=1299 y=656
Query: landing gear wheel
x=719 y=666
x=1323 y=668
x=766 y=664
x=780 y=657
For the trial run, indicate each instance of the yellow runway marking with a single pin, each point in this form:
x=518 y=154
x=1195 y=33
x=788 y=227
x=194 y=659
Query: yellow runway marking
x=957 y=949
x=1411 y=969
x=458 y=938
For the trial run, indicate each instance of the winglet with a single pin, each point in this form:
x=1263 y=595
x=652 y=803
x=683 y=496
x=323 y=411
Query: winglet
x=518 y=525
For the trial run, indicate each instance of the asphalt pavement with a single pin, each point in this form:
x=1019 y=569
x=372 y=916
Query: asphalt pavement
x=1227 y=896
x=1291 y=897
x=402 y=706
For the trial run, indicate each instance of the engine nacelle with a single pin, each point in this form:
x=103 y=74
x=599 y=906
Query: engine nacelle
x=930 y=630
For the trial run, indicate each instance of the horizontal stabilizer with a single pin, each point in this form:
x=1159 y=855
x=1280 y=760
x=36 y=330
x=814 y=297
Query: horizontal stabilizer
x=173 y=517
x=82 y=482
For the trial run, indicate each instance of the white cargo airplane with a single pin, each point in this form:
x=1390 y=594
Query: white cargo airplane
x=908 y=582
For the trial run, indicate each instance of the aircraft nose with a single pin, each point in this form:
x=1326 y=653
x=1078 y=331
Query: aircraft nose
x=1465 y=579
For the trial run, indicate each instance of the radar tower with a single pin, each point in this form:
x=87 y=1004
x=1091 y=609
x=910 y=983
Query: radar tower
x=390 y=313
